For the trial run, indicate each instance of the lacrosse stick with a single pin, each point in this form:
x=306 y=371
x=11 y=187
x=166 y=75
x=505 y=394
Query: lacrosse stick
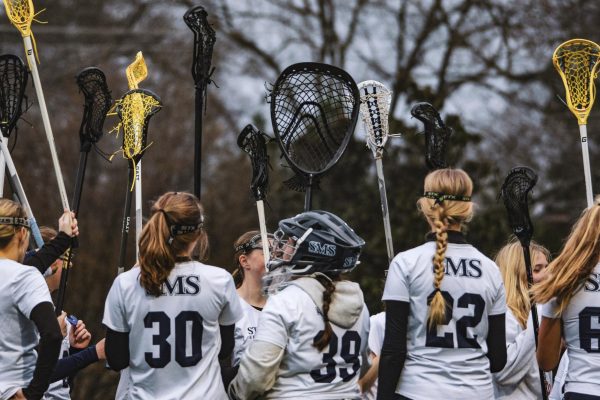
x=253 y=142
x=375 y=101
x=134 y=109
x=21 y=14
x=577 y=61
x=136 y=72
x=92 y=83
x=204 y=41
x=514 y=193
x=13 y=80
x=437 y=135
x=314 y=109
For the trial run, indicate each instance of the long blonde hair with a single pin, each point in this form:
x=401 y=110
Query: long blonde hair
x=580 y=254
x=440 y=214
x=9 y=208
x=511 y=262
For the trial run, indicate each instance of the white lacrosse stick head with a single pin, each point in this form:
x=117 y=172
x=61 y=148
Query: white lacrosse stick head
x=375 y=101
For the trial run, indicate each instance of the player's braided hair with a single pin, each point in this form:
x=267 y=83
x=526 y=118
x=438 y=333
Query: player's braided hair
x=10 y=209
x=446 y=202
x=322 y=341
x=159 y=248
x=238 y=274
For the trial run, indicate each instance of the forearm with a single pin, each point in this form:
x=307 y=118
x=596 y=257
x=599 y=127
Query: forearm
x=370 y=377
x=48 y=253
x=69 y=366
x=393 y=353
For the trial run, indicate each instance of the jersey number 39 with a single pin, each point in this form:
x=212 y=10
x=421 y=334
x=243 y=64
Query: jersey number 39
x=181 y=328
x=350 y=348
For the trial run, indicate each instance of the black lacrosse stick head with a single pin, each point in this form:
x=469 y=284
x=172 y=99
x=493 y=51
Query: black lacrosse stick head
x=437 y=135
x=13 y=81
x=204 y=41
x=314 y=109
x=515 y=192
x=254 y=143
x=97 y=103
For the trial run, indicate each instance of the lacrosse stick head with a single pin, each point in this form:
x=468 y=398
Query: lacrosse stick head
x=135 y=109
x=137 y=71
x=204 y=41
x=21 y=14
x=97 y=103
x=13 y=81
x=437 y=135
x=314 y=109
x=375 y=100
x=577 y=61
x=515 y=192
x=254 y=143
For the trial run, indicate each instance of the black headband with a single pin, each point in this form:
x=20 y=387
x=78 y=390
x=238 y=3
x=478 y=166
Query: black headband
x=253 y=243
x=180 y=229
x=439 y=197
x=15 y=221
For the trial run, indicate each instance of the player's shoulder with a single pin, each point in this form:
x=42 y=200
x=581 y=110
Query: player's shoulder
x=12 y=271
x=206 y=270
x=378 y=319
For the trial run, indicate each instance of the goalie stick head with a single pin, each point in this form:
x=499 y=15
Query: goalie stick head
x=314 y=108
x=577 y=63
x=13 y=81
x=375 y=101
x=204 y=41
x=254 y=143
x=97 y=103
x=437 y=135
x=515 y=192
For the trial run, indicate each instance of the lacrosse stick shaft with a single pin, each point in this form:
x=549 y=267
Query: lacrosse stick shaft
x=308 y=195
x=18 y=187
x=42 y=102
x=62 y=288
x=138 y=208
x=263 y=230
x=126 y=221
x=2 y=172
x=384 y=209
x=586 y=165
x=198 y=142
x=534 y=313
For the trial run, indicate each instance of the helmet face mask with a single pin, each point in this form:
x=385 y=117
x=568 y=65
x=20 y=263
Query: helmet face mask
x=309 y=243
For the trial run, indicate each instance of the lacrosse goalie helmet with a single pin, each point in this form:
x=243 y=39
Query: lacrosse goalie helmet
x=309 y=243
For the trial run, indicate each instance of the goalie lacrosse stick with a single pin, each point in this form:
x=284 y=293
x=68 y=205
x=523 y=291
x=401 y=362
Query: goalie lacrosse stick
x=314 y=109
x=204 y=41
x=254 y=143
x=437 y=135
x=134 y=109
x=577 y=61
x=514 y=193
x=375 y=101
x=13 y=81
x=97 y=102
x=136 y=72
x=21 y=14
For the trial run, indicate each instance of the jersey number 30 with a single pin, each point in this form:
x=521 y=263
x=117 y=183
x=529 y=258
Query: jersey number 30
x=181 y=328
x=349 y=354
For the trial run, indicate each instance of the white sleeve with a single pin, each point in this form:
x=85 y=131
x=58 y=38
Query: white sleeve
x=376 y=334
x=550 y=309
x=396 y=284
x=272 y=327
x=520 y=352
x=232 y=309
x=115 y=317
x=499 y=303
x=29 y=290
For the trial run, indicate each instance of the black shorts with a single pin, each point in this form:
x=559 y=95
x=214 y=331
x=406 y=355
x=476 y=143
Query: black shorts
x=579 y=396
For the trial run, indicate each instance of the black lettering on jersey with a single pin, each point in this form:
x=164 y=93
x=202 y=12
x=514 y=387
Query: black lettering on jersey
x=251 y=332
x=593 y=283
x=182 y=285
x=470 y=268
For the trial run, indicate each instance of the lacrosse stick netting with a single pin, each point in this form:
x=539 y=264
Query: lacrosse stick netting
x=437 y=135
x=97 y=102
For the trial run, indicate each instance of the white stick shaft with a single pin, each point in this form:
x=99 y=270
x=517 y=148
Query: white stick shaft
x=384 y=209
x=35 y=230
x=138 y=208
x=2 y=171
x=42 y=102
x=263 y=230
x=586 y=165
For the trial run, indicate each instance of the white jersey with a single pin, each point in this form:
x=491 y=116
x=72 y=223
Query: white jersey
x=22 y=288
x=292 y=321
x=60 y=390
x=559 y=381
x=245 y=329
x=376 y=334
x=450 y=360
x=174 y=339
x=581 y=330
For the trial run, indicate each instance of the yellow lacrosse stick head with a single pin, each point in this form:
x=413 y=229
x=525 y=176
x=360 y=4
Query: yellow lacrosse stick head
x=137 y=71
x=576 y=61
x=20 y=13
